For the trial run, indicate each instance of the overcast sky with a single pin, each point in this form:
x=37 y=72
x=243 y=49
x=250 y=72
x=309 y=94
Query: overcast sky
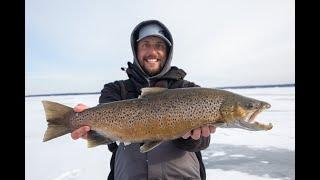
x=79 y=45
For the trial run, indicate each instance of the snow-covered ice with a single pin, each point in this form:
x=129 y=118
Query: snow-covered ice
x=232 y=154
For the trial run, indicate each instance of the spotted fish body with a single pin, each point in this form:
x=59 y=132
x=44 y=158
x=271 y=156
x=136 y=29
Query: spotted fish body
x=160 y=114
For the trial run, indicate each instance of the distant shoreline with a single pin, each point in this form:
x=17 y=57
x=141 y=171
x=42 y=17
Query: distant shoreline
x=226 y=87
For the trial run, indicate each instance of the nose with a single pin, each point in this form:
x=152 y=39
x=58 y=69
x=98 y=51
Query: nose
x=152 y=50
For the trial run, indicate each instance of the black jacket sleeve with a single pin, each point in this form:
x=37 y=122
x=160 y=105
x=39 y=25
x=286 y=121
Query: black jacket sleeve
x=110 y=93
x=191 y=144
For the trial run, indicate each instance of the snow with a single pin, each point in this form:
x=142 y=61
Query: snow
x=232 y=154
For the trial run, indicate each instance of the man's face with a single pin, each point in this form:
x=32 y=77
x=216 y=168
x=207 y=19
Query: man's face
x=152 y=54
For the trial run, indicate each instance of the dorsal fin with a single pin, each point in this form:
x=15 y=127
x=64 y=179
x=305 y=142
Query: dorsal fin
x=150 y=91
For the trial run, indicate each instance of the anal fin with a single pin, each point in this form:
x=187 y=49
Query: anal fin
x=96 y=139
x=147 y=146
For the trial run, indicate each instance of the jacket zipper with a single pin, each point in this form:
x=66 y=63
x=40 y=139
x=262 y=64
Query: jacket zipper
x=148 y=80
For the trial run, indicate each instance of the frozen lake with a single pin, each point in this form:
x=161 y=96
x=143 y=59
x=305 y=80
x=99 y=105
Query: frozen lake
x=232 y=154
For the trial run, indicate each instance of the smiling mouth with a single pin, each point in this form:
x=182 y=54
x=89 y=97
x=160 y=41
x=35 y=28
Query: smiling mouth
x=151 y=60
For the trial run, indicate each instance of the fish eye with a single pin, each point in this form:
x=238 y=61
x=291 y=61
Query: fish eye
x=250 y=105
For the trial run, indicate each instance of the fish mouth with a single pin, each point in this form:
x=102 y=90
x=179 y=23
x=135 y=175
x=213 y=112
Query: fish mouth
x=252 y=124
x=262 y=107
x=253 y=116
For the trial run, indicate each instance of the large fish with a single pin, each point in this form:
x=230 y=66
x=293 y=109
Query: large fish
x=157 y=115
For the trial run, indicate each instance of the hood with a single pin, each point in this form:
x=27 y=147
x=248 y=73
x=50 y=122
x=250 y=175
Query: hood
x=133 y=39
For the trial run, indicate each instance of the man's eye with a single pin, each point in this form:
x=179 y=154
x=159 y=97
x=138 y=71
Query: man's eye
x=160 y=46
x=144 y=45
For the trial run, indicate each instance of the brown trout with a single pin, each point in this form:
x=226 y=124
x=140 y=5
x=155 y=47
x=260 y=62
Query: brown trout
x=157 y=115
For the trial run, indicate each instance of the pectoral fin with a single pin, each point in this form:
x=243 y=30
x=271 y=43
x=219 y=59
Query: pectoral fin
x=219 y=124
x=96 y=139
x=126 y=143
x=147 y=146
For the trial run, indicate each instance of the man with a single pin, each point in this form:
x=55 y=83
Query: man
x=152 y=47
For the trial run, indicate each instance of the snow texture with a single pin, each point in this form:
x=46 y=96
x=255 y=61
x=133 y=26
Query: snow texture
x=232 y=154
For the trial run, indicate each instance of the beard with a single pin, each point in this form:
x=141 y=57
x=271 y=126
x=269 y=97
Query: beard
x=152 y=66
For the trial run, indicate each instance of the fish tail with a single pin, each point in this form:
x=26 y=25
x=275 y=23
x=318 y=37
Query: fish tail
x=58 y=124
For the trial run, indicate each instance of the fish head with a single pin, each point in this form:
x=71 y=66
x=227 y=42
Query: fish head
x=241 y=112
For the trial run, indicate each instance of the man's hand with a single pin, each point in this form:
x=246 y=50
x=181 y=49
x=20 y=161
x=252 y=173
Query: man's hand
x=82 y=131
x=204 y=131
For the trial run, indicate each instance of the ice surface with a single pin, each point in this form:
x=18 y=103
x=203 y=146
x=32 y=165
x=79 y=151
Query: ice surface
x=232 y=154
